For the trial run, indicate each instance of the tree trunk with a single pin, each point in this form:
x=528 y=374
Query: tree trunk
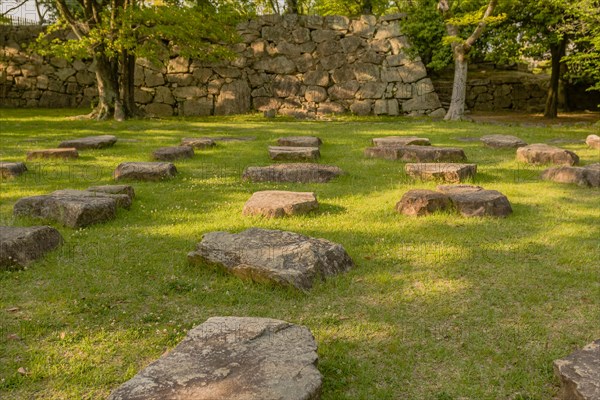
x=456 y=111
x=557 y=51
x=107 y=78
x=127 y=77
x=367 y=7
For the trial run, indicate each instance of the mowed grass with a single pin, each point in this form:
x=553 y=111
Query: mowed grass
x=441 y=307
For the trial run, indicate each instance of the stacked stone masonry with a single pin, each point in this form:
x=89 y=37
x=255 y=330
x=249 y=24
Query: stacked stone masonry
x=298 y=65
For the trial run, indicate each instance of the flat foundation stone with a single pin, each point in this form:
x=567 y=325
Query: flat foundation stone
x=400 y=141
x=63 y=154
x=502 y=141
x=90 y=142
x=292 y=172
x=272 y=256
x=451 y=189
x=540 y=153
x=233 y=358
x=145 y=171
x=593 y=141
x=21 y=246
x=588 y=176
x=280 y=203
x=114 y=189
x=481 y=203
x=198 y=143
x=299 y=141
x=447 y=172
x=579 y=372
x=419 y=202
x=417 y=153
x=283 y=153
x=173 y=153
x=11 y=169
x=72 y=208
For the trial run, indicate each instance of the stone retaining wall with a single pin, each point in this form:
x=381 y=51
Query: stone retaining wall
x=298 y=65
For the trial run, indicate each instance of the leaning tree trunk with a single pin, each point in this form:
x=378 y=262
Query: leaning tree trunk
x=107 y=78
x=557 y=52
x=456 y=111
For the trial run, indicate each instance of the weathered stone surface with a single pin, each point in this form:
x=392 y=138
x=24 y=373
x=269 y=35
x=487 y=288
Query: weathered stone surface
x=544 y=154
x=417 y=153
x=20 y=246
x=447 y=172
x=11 y=169
x=480 y=203
x=279 y=203
x=145 y=171
x=588 y=176
x=295 y=172
x=233 y=358
x=427 y=101
x=288 y=153
x=593 y=141
x=66 y=153
x=261 y=255
x=233 y=98
x=72 y=208
x=400 y=141
x=158 y=110
x=173 y=153
x=90 y=142
x=579 y=372
x=299 y=141
x=198 y=143
x=423 y=202
x=502 y=141
x=452 y=189
x=114 y=189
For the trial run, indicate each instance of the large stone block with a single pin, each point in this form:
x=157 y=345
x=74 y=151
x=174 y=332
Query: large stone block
x=21 y=246
x=284 y=258
x=90 y=142
x=294 y=172
x=578 y=373
x=233 y=358
x=279 y=203
x=287 y=153
x=145 y=171
x=234 y=98
x=540 y=153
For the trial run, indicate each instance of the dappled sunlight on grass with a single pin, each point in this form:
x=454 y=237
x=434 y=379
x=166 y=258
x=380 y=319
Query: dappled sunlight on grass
x=471 y=308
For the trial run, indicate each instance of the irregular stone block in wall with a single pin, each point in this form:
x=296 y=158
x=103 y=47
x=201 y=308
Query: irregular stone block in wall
x=276 y=65
x=578 y=373
x=294 y=172
x=540 y=153
x=20 y=246
x=280 y=257
x=234 y=98
x=428 y=101
x=11 y=169
x=233 y=358
x=202 y=107
x=90 y=142
x=158 y=110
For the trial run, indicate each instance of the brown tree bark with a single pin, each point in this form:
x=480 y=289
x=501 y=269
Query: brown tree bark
x=367 y=7
x=291 y=7
x=557 y=52
x=107 y=78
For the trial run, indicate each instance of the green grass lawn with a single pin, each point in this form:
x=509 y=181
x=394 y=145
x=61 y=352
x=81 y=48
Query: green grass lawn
x=440 y=307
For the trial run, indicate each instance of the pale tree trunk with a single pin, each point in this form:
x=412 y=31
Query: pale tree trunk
x=456 y=111
x=460 y=51
x=109 y=102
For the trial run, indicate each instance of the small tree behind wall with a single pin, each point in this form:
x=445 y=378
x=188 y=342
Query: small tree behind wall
x=116 y=32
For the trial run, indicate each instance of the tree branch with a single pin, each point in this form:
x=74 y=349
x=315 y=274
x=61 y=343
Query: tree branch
x=14 y=8
x=481 y=26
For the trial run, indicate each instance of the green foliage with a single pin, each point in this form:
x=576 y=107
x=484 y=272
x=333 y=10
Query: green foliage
x=200 y=31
